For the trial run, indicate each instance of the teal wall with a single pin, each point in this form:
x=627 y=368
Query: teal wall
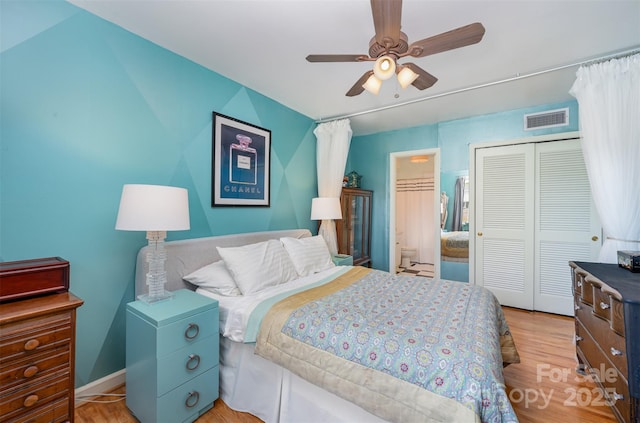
x=369 y=156
x=87 y=107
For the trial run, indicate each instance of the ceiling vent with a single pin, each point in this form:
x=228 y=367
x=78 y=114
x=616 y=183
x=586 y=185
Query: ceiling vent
x=548 y=119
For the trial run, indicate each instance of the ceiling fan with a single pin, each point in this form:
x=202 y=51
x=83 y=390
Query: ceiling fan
x=390 y=44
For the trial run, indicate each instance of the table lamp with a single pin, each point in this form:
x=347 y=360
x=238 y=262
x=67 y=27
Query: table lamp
x=327 y=209
x=155 y=209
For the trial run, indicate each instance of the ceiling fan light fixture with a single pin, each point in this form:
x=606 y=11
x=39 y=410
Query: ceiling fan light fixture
x=406 y=76
x=384 y=68
x=372 y=85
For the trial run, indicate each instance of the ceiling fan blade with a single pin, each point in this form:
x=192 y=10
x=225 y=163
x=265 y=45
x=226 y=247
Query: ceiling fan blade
x=424 y=80
x=357 y=87
x=456 y=38
x=387 y=15
x=337 y=58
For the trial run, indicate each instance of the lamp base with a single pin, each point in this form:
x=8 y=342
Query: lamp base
x=152 y=299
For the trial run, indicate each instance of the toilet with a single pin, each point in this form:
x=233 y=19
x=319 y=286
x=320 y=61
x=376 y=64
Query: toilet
x=406 y=254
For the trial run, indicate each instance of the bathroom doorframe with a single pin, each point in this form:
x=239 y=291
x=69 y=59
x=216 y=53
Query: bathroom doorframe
x=435 y=153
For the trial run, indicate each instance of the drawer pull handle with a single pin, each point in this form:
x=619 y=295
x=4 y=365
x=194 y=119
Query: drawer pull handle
x=579 y=284
x=617 y=396
x=30 y=371
x=579 y=338
x=193 y=362
x=577 y=307
x=192 y=399
x=192 y=331
x=30 y=400
x=604 y=306
x=31 y=345
x=615 y=351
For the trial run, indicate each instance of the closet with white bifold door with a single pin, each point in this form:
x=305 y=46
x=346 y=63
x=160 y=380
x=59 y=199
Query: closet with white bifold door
x=533 y=214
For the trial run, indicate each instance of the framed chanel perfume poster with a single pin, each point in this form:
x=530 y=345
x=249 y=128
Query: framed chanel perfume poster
x=241 y=163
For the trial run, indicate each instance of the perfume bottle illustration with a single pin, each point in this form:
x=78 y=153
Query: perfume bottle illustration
x=243 y=162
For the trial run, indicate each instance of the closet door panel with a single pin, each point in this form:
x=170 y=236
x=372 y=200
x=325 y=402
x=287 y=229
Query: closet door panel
x=565 y=223
x=504 y=216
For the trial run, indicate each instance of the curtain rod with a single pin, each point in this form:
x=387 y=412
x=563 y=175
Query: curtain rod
x=617 y=55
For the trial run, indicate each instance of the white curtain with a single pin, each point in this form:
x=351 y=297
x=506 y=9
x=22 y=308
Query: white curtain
x=608 y=96
x=414 y=217
x=334 y=139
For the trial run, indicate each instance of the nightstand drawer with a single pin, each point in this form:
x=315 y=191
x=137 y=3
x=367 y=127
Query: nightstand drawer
x=184 y=364
x=342 y=260
x=188 y=399
x=186 y=331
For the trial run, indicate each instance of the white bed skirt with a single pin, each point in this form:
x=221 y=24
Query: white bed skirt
x=252 y=384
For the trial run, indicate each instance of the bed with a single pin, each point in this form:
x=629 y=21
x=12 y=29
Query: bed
x=454 y=246
x=309 y=350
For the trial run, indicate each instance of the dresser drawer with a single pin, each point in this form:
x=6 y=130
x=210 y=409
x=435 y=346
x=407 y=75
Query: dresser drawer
x=601 y=303
x=33 y=396
x=33 y=335
x=55 y=412
x=184 y=364
x=612 y=381
x=612 y=344
x=186 y=400
x=33 y=367
x=187 y=331
x=578 y=281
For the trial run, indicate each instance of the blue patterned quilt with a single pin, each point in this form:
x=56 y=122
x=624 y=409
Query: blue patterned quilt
x=441 y=336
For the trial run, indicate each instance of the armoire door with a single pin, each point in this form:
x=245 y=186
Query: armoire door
x=534 y=213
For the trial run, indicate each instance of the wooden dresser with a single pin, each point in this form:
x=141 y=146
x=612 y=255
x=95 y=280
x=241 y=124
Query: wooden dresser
x=607 y=319
x=37 y=351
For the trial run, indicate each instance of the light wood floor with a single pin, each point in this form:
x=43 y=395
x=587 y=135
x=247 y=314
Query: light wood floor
x=543 y=387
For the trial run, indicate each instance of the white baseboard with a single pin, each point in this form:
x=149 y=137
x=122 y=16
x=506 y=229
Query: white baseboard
x=100 y=386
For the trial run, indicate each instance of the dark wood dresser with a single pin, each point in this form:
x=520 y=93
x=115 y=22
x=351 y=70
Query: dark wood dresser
x=37 y=358
x=607 y=319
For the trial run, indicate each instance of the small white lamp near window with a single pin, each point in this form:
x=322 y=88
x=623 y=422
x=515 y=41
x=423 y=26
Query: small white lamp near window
x=327 y=209
x=155 y=209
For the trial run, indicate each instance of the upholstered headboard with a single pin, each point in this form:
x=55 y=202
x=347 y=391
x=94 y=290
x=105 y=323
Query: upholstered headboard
x=187 y=255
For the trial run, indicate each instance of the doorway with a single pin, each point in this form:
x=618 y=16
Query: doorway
x=414 y=211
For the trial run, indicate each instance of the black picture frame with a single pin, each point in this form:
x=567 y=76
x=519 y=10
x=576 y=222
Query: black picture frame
x=241 y=163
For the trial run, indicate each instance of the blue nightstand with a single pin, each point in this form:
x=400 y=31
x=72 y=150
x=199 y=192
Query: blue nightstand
x=172 y=358
x=342 y=260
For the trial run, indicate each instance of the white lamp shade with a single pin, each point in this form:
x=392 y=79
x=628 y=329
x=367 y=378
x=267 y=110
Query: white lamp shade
x=384 y=68
x=325 y=208
x=372 y=85
x=406 y=76
x=153 y=208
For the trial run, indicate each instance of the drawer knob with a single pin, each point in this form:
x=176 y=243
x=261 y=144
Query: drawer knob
x=30 y=371
x=31 y=344
x=193 y=362
x=604 y=305
x=577 y=307
x=579 y=338
x=192 y=399
x=617 y=396
x=192 y=331
x=30 y=400
x=615 y=352
x=579 y=284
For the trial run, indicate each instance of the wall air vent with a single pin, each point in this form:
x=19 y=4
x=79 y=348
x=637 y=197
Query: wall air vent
x=548 y=119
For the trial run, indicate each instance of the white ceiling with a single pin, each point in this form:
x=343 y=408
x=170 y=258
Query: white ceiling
x=262 y=44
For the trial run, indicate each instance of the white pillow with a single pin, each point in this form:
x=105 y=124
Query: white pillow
x=216 y=278
x=258 y=266
x=309 y=255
